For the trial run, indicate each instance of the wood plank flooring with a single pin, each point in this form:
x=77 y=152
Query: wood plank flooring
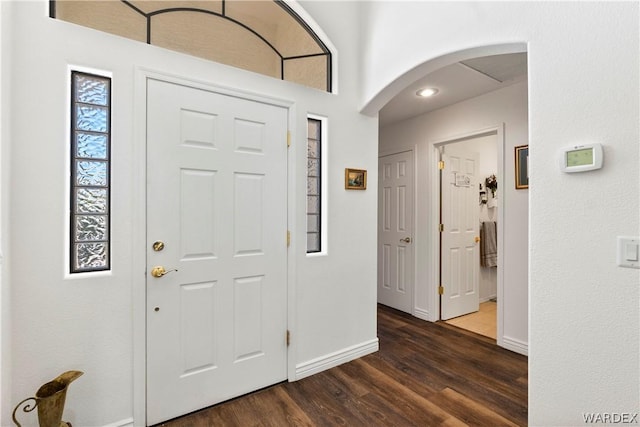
x=425 y=374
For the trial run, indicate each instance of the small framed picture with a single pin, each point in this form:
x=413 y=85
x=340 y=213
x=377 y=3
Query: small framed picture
x=522 y=167
x=355 y=179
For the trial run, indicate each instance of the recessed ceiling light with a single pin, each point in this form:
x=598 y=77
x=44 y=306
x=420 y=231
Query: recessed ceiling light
x=427 y=92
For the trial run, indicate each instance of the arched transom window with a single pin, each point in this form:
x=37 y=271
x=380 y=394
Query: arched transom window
x=266 y=36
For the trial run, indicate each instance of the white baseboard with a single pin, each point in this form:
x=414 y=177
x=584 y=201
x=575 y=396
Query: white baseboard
x=515 y=345
x=337 y=358
x=489 y=298
x=421 y=314
x=122 y=423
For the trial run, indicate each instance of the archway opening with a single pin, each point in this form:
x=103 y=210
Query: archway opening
x=479 y=90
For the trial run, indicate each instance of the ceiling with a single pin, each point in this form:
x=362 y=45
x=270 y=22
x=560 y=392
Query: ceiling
x=455 y=83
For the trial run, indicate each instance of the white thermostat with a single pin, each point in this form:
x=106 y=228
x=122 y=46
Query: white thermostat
x=581 y=158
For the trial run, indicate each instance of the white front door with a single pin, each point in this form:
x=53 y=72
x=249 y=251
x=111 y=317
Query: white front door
x=460 y=218
x=216 y=200
x=395 y=231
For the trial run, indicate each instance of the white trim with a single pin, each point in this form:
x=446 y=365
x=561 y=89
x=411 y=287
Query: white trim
x=308 y=19
x=138 y=262
x=68 y=275
x=434 y=225
x=422 y=314
x=386 y=153
x=324 y=186
x=513 y=344
x=139 y=276
x=292 y=153
x=211 y=86
x=500 y=238
x=334 y=359
x=128 y=422
x=6 y=101
x=435 y=145
x=375 y=101
x=415 y=311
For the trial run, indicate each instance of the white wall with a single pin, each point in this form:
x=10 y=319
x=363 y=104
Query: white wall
x=337 y=300
x=5 y=301
x=486 y=147
x=505 y=108
x=583 y=87
x=92 y=323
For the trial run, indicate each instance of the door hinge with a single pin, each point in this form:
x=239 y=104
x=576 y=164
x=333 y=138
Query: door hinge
x=441 y=164
x=288 y=238
x=288 y=338
x=441 y=227
x=288 y=139
x=441 y=290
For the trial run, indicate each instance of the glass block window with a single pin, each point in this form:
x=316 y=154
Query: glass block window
x=314 y=185
x=90 y=172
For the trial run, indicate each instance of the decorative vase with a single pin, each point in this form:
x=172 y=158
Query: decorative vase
x=49 y=400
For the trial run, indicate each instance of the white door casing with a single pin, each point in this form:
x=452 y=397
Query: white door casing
x=395 y=231
x=217 y=199
x=460 y=219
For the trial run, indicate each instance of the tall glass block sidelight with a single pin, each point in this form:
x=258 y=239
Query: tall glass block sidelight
x=90 y=172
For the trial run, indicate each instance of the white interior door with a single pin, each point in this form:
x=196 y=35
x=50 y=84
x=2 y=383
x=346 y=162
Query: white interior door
x=216 y=199
x=460 y=218
x=395 y=231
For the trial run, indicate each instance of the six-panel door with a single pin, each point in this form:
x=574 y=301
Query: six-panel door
x=216 y=199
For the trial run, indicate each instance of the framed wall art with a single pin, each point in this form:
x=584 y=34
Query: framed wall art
x=355 y=179
x=522 y=167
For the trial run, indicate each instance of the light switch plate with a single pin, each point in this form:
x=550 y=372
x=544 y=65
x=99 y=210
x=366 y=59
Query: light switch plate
x=628 y=252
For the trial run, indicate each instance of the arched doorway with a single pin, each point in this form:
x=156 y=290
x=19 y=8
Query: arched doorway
x=456 y=120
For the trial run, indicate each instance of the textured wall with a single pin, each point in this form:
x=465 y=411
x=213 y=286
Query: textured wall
x=583 y=87
x=95 y=323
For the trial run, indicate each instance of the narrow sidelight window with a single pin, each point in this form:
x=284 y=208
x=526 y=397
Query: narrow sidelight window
x=90 y=172
x=314 y=185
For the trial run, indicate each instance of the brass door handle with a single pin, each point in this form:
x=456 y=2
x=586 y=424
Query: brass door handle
x=477 y=239
x=159 y=271
x=406 y=240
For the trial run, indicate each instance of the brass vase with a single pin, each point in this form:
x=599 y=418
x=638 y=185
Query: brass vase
x=49 y=400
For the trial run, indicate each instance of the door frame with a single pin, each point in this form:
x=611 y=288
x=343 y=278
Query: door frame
x=434 y=221
x=414 y=219
x=139 y=220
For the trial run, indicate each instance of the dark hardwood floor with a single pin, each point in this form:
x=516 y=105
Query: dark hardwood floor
x=425 y=374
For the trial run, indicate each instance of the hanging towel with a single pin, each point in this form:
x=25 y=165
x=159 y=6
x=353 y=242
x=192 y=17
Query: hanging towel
x=488 y=244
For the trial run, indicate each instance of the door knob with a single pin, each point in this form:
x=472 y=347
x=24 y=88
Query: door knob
x=159 y=271
x=406 y=240
x=477 y=239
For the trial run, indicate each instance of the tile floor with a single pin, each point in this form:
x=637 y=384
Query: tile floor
x=482 y=322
